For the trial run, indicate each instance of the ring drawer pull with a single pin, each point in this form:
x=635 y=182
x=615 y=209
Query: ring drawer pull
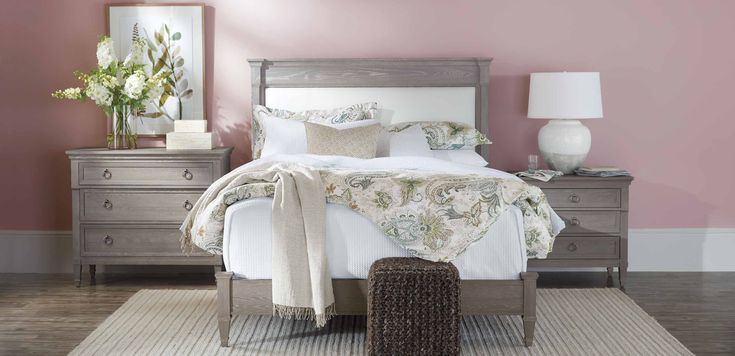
x=107 y=204
x=108 y=240
x=188 y=205
x=107 y=174
x=574 y=221
x=572 y=247
x=187 y=175
x=574 y=198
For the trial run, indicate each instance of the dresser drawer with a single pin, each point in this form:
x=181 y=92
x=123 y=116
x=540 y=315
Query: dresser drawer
x=590 y=221
x=583 y=198
x=150 y=174
x=585 y=247
x=122 y=240
x=121 y=205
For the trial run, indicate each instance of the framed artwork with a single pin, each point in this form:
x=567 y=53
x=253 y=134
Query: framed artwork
x=175 y=37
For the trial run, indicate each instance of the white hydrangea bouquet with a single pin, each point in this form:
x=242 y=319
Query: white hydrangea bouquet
x=121 y=88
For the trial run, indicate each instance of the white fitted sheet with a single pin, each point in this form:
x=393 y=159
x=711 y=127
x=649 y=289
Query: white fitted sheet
x=354 y=243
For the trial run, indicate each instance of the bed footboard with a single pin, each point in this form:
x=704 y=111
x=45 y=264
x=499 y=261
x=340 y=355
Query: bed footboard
x=253 y=297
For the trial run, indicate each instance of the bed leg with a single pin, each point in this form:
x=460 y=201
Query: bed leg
x=529 y=306
x=610 y=271
x=224 y=306
x=622 y=273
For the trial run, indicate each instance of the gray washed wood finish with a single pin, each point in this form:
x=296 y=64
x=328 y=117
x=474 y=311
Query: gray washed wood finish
x=366 y=73
x=129 y=204
x=595 y=211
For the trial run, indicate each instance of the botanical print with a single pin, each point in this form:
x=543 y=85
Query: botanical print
x=350 y=113
x=175 y=44
x=433 y=216
x=446 y=135
x=164 y=54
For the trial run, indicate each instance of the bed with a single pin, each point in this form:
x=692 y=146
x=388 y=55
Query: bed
x=493 y=271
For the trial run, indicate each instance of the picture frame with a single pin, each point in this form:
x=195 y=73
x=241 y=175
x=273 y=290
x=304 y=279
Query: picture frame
x=184 y=38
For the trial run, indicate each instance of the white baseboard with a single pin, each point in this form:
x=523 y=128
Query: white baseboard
x=27 y=251
x=682 y=250
x=664 y=250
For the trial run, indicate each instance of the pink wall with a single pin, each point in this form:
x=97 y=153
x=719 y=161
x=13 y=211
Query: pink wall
x=666 y=69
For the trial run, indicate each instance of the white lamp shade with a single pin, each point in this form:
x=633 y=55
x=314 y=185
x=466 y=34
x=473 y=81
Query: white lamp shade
x=565 y=95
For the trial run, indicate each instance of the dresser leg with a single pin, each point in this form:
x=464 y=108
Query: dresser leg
x=610 y=271
x=77 y=270
x=622 y=274
x=92 y=274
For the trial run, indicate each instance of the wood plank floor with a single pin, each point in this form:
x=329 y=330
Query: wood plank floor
x=47 y=315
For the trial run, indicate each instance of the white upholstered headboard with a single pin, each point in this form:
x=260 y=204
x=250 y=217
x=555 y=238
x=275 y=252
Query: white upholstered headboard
x=395 y=105
x=405 y=89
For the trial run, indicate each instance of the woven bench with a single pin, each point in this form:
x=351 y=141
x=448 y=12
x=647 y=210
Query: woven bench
x=413 y=307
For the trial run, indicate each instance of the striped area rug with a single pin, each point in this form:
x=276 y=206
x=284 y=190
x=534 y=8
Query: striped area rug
x=570 y=322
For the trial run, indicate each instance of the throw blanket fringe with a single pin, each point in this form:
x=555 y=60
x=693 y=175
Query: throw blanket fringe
x=300 y=313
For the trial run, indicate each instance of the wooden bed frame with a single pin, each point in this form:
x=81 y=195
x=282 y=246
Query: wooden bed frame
x=253 y=297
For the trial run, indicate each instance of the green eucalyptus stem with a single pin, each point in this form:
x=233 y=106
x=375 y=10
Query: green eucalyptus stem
x=163 y=54
x=171 y=64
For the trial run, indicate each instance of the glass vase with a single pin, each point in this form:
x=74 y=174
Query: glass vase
x=121 y=130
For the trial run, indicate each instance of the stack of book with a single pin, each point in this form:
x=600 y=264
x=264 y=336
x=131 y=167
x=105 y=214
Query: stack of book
x=189 y=135
x=601 y=172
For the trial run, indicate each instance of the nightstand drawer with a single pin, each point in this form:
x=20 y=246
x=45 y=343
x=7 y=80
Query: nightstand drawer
x=122 y=240
x=121 y=205
x=160 y=174
x=585 y=247
x=583 y=198
x=590 y=221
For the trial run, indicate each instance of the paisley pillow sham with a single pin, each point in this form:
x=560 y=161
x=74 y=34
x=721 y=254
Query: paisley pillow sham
x=446 y=135
x=350 y=113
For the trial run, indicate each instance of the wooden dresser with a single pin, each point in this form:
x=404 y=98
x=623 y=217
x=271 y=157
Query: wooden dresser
x=128 y=204
x=595 y=211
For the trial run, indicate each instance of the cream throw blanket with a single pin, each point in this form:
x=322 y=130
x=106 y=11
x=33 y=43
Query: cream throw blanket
x=302 y=286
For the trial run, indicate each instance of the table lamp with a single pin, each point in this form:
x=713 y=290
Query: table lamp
x=565 y=98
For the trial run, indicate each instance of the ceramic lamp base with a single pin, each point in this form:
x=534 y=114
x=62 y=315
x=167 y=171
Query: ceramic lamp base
x=564 y=144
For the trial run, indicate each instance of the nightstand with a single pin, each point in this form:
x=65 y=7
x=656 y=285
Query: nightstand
x=595 y=210
x=128 y=204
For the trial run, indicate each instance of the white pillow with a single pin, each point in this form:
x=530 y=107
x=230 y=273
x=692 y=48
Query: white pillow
x=289 y=136
x=409 y=142
x=469 y=157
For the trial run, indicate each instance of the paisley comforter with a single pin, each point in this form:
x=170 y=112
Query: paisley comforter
x=432 y=208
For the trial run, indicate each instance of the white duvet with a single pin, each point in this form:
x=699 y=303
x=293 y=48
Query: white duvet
x=354 y=242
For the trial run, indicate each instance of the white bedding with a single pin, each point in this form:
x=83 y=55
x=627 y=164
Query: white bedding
x=354 y=242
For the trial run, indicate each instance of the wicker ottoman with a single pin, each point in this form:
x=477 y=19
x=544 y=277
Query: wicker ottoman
x=413 y=307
